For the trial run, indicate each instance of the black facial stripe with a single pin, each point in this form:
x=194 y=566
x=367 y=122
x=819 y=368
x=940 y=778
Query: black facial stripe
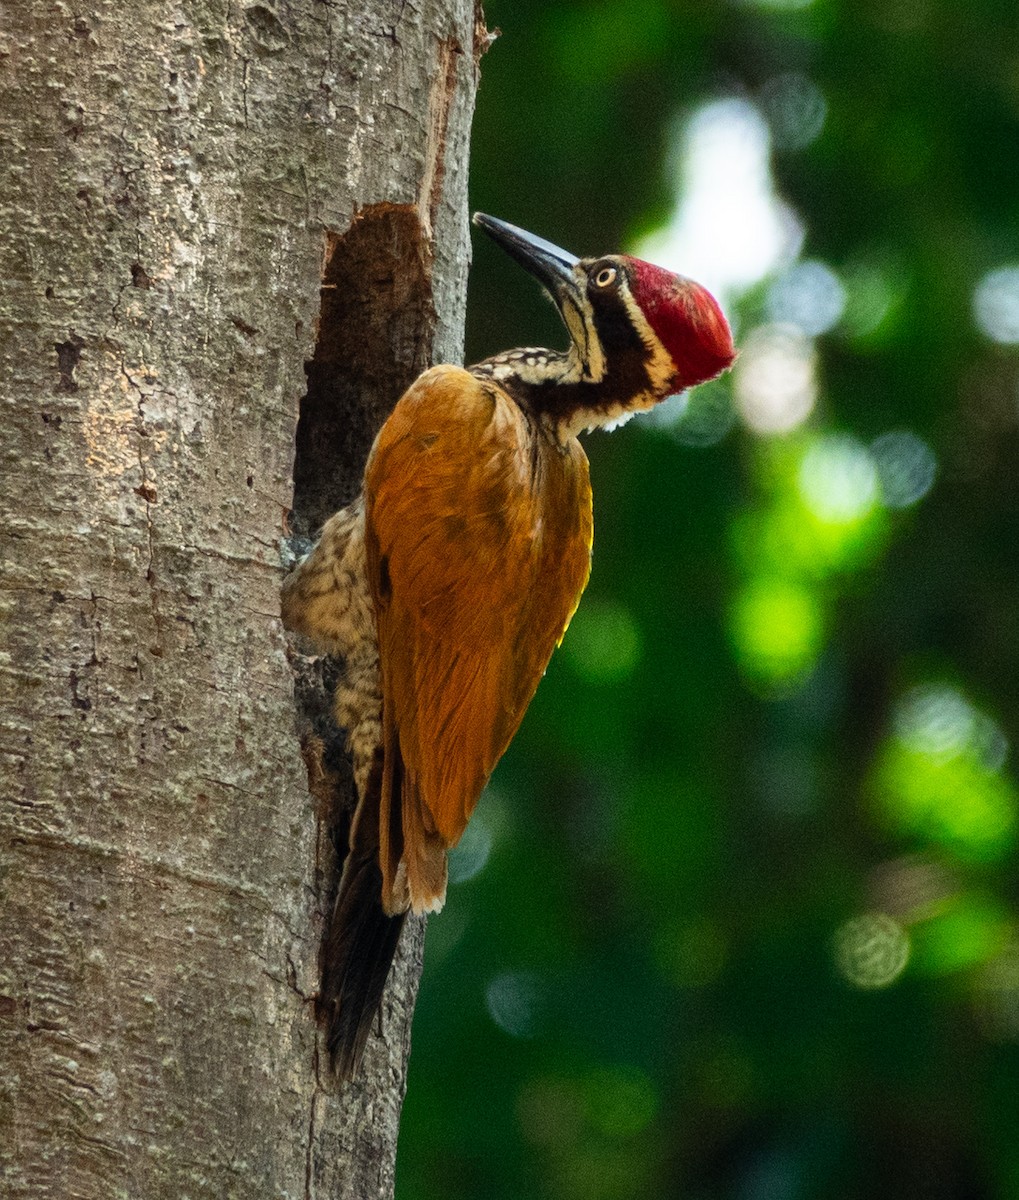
x=614 y=324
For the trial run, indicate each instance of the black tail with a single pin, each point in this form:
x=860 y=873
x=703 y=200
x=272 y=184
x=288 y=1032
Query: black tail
x=359 y=944
x=357 y=953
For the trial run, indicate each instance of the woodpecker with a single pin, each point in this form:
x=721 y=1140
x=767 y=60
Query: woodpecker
x=447 y=584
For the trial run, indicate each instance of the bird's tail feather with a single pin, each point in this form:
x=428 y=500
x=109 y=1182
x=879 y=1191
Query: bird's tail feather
x=359 y=945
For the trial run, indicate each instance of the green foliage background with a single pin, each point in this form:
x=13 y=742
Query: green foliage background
x=738 y=916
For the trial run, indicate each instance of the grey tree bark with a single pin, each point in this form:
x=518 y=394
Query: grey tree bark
x=197 y=200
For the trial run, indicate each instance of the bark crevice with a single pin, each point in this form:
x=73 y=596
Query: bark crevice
x=68 y=357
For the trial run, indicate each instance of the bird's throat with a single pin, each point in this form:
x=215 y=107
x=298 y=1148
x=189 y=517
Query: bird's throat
x=560 y=391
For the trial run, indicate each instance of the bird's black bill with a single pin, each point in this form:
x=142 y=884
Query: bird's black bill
x=549 y=264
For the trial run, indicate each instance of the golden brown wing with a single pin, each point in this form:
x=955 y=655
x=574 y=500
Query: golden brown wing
x=478 y=547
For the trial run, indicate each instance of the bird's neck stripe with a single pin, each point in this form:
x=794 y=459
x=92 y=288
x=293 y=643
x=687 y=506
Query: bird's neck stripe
x=661 y=369
x=661 y=376
x=585 y=343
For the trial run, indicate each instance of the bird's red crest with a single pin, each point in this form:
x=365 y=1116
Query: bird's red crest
x=687 y=321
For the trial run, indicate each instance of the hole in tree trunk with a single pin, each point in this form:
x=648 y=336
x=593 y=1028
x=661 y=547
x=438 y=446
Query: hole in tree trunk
x=376 y=327
x=375 y=330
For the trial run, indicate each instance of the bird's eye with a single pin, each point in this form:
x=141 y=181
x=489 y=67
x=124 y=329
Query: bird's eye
x=605 y=277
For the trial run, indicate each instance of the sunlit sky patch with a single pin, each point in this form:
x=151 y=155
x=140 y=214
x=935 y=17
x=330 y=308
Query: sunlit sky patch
x=939 y=721
x=809 y=295
x=906 y=467
x=775 y=379
x=730 y=229
x=996 y=305
x=838 y=479
x=512 y=1000
x=796 y=110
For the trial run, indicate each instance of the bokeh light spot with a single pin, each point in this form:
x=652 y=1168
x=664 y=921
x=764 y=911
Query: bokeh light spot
x=935 y=720
x=911 y=887
x=603 y=643
x=940 y=777
x=470 y=855
x=996 y=305
x=512 y=1000
x=775 y=379
x=838 y=479
x=796 y=110
x=809 y=295
x=874 y=294
x=871 y=951
x=953 y=802
x=989 y=743
x=796 y=535
x=701 y=417
x=777 y=629
x=906 y=467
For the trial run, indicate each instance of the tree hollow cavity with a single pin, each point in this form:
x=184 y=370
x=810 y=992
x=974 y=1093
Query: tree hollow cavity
x=374 y=337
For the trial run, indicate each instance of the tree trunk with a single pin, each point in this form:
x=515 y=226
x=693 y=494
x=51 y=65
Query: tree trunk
x=183 y=187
